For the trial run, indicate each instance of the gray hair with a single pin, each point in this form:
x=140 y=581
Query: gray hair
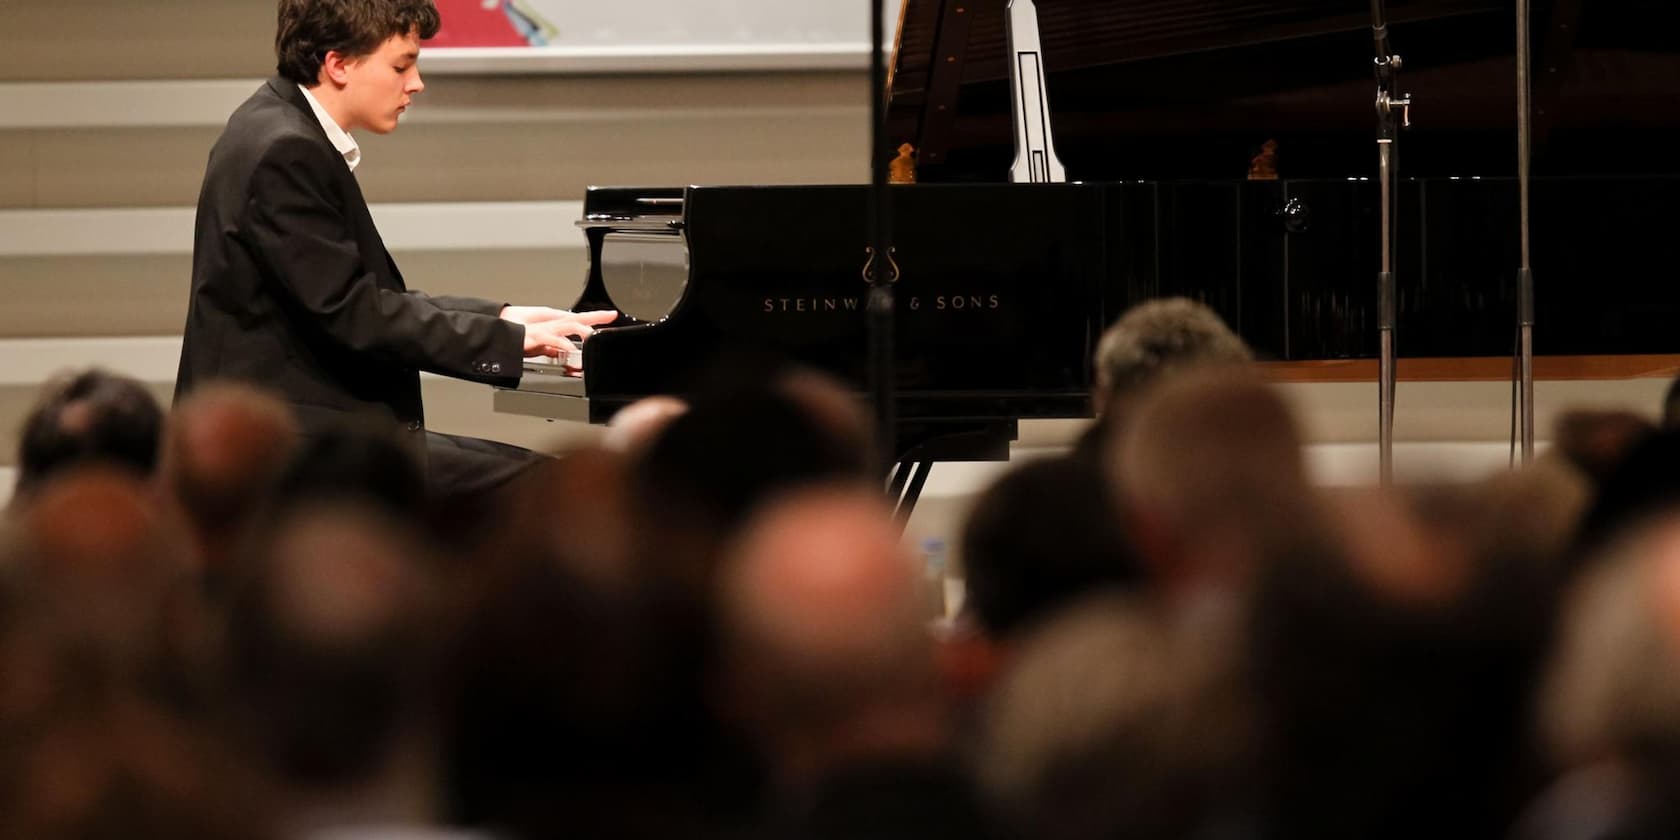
x=1159 y=337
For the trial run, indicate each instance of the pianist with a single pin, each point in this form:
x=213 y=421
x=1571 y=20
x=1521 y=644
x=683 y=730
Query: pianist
x=292 y=288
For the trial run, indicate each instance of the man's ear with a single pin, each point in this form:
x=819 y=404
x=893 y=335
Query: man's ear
x=335 y=68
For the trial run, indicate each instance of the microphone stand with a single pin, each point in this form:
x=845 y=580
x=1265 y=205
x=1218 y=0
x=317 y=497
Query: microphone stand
x=1525 y=273
x=879 y=271
x=1392 y=114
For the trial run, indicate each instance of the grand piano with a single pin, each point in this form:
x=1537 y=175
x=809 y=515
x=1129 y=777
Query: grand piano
x=1157 y=110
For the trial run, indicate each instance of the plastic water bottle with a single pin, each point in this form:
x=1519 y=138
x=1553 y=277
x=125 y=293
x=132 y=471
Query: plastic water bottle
x=934 y=574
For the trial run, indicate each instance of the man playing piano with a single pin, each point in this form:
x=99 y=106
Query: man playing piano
x=292 y=287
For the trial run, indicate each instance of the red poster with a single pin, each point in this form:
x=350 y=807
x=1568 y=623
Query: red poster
x=477 y=23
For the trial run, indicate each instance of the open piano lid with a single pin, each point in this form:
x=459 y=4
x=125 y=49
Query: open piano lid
x=1153 y=89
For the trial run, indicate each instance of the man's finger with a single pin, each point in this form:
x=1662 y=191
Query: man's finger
x=599 y=316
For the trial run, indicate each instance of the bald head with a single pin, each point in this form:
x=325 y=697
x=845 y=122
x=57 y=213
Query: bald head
x=225 y=445
x=636 y=424
x=822 y=611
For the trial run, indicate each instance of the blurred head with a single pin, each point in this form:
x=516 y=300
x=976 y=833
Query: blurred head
x=1156 y=339
x=738 y=445
x=1210 y=476
x=1595 y=442
x=1113 y=722
x=223 y=450
x=567 y=696
x=112 y=577
x=1614 y=687
x=1392 y=670
x=1044 y=535
x=1643 y=483
x=101 y=761
x=331 y=648
x=1671 y=405
x=90 y=417
x=824 y=653
x=637 y=424
x=345 y=465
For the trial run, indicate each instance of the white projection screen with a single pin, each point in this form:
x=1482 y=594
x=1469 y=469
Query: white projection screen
x=628 y=36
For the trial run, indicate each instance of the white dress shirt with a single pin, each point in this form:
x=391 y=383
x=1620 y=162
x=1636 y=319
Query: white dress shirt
x=341 y=139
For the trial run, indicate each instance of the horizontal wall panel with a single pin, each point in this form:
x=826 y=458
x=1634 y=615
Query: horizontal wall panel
x=120 y=104
x=17 y=169
x=469 y=140
x=112 y=295
x=405 y=227
x=52 y=40
x=124 y=294
x=31 y=361
x=500 y=100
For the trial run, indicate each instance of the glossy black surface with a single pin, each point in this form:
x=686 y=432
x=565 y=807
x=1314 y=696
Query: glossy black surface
x=1173 y=89
x=1005 y=288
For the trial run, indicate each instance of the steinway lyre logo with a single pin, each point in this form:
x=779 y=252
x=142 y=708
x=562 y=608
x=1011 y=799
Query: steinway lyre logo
x=805 y=305
x=961 y=302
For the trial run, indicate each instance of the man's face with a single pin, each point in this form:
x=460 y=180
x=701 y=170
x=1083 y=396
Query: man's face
x=381 y=85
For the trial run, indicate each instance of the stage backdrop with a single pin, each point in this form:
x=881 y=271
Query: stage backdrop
x=616 y=36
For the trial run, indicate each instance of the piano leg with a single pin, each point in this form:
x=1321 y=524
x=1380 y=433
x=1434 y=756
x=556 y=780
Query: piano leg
x=905 y=493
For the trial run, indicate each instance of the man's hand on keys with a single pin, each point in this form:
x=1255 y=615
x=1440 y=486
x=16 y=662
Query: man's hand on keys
x=550 y=332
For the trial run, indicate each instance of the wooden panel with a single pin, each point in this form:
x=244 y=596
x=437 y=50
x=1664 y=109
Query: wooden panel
x=17 y=170
x=1478 y=369
x=59 y=40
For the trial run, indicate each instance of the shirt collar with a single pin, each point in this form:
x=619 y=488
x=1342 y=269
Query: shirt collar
x=341 y=139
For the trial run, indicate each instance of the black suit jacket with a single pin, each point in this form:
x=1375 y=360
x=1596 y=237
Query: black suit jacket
x=293 y=290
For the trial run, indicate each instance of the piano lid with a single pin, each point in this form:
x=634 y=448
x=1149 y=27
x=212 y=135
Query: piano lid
x=1151 y=89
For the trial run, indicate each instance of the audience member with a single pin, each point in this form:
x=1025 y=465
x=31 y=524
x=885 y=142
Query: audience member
x=1211 y=482
x=1391 y=671
x=117 y=581
x=90 y=417
x=1610 y=711
x=347 y=466
x=716 y=631
x=739 y=444
x=102 y=662
x=1595 y=442
x=637 y=424
x=1671 y=405
x=87 y=755
x=333 y=644
x=1041 y=537
x=826 y=662
x=1115 y=722
x=1644 y=482
x=1152 y=341
x=223 y=450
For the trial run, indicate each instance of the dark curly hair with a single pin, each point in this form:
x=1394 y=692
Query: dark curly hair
x=309 y=29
